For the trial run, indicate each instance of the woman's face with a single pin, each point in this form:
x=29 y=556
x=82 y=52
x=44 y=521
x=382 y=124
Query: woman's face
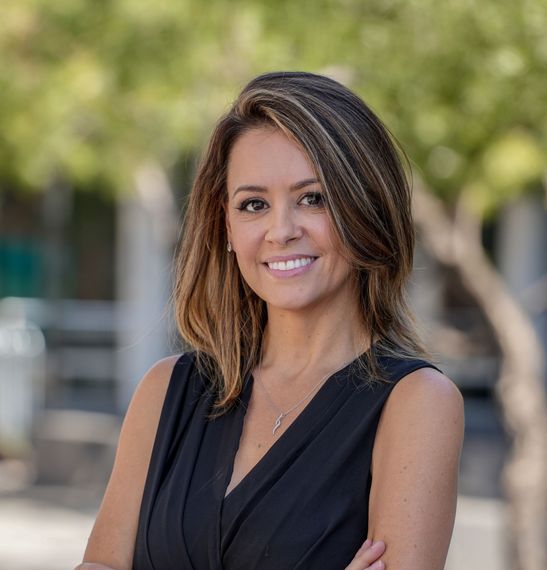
x=279 y=227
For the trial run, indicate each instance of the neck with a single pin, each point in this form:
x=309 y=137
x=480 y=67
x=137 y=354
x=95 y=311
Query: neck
x=316 y=340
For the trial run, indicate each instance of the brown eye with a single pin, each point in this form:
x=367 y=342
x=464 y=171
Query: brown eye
x=314 y=199
x=251 y=205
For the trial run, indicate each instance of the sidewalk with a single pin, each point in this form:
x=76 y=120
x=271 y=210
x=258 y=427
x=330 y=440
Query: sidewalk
x=479 y=541
x=36 y=535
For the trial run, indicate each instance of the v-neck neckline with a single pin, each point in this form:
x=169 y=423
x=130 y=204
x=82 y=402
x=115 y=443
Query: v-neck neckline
x=288 y=433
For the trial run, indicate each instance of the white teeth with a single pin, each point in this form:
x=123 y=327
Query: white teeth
x=291 y=264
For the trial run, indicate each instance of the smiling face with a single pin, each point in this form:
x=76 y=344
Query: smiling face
x=279 y=227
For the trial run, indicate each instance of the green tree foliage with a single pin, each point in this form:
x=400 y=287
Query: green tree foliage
x=90 y=89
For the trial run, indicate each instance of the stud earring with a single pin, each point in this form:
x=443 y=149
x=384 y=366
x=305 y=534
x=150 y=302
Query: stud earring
x=229 y=247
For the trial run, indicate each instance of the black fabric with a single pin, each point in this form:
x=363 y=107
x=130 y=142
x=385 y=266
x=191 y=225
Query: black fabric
x=303 y=506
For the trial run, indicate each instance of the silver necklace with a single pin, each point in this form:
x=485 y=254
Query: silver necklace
x=282 y=414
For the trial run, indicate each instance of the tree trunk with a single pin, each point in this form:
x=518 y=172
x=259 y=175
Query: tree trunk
x=520 y=388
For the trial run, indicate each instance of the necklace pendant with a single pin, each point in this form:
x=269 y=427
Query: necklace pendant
x=277 y=423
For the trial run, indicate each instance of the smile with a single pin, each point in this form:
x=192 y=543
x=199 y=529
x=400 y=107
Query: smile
x=291 y=264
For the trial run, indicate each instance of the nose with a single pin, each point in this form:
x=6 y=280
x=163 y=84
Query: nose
x=283 y=226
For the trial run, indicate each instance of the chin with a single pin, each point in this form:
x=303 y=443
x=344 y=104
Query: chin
x=291 y=304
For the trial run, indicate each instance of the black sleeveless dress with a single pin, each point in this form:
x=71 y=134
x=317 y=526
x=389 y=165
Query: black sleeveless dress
x=303 y=506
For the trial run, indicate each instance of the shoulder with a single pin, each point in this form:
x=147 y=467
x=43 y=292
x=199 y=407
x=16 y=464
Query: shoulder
x=113 y=536
x=423 y=387
x=424 y=390
x=425 y=402
x=152 y=388
x=155 y=381
x=160 y=372
x=144 y=411
x=142 y=418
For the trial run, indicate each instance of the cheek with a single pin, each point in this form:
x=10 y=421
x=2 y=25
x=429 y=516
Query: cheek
x=339 y=256
x=247 y=251
x=321 y=227
x=246 y=239
x=330 y=242
x=246 y=233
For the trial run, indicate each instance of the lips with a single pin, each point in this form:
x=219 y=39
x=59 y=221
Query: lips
x=290 y=266
x=287 y=265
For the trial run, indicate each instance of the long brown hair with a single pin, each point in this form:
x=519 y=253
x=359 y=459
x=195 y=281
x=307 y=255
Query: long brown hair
x=368 y=198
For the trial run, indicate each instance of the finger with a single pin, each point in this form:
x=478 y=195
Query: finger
x=367 y=556
x=372 y=553
x=356 y=564
x=366 y=544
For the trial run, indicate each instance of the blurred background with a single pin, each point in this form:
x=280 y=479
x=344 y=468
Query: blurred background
x=104 y=107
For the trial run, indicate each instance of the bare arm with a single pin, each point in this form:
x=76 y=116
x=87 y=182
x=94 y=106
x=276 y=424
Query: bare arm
x=112 y=540
x=415 y=467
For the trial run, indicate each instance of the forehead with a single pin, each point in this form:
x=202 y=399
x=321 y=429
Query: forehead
x=267 y=157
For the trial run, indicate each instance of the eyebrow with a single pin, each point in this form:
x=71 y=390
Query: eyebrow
x=296 y=186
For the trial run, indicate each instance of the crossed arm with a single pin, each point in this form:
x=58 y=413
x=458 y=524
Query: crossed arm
x=415 y=467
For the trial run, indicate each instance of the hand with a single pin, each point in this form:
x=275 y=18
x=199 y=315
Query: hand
x=92 y=566
x=367 y=556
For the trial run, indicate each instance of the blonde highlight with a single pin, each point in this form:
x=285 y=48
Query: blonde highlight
x=368 y=197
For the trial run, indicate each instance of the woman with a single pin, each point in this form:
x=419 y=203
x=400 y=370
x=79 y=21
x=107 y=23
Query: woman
x=306 y=418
